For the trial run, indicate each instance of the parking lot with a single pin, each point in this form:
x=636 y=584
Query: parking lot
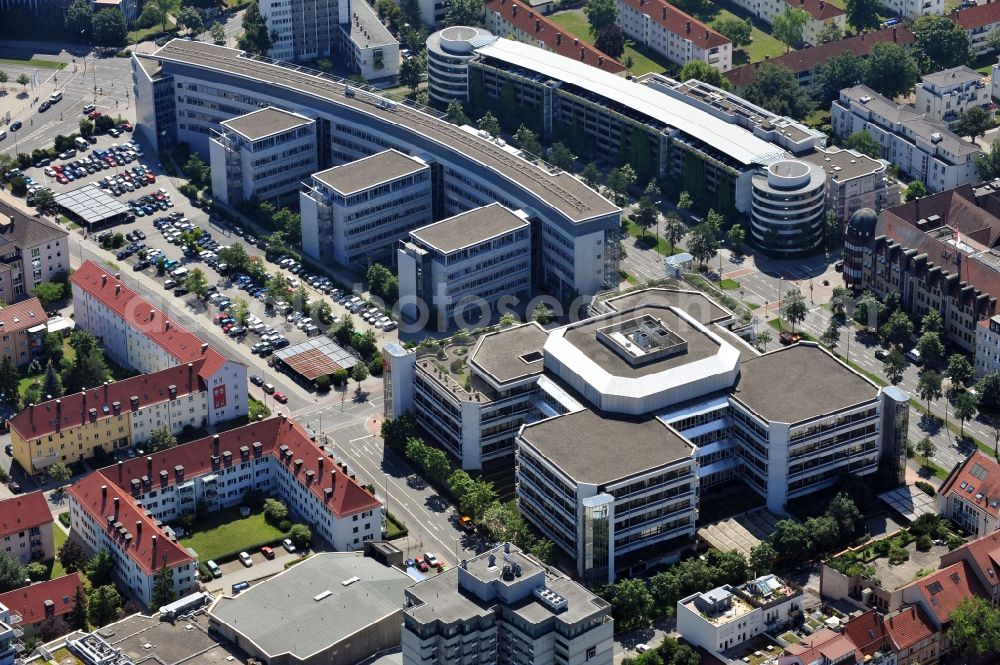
x=162 y=216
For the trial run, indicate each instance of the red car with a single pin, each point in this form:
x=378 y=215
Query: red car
x=93 y=114
x=281 y=397
x=267 y=552
x=63 y=180
x=127 y=126
x=422 y=565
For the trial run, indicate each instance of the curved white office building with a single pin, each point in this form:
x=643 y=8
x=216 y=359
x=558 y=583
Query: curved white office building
x=788 y=201
x=448 y=52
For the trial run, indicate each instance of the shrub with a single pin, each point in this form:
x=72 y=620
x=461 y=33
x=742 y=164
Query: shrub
x=323 y=383
x=456 y=365
x=275 y=512
x=925 y=487
x=64 y=518
x=285 y=526
x=924 y=543
x=897 y=555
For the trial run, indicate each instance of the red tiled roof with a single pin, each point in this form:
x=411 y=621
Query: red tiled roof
x=908 y=626
x=821 y=10
x=29 y=601
x=558 y=39
x=984 y=492
x=22 y=315
x=976 y=17
x=23 y=512
x=827 y=644
x=946 y=588
x=679 y=23
x=983 y=554
x=183 y=345
x=868 y=632
x=810 y=58
x=73 y=410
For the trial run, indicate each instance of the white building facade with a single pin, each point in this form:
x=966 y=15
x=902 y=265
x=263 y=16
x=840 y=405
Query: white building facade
x=678 y=37
x=820 y=12
x=786 y=216
x=945 y=95
x=855 y=181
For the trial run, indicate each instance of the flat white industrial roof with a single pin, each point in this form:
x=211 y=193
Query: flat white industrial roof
x=729 y=139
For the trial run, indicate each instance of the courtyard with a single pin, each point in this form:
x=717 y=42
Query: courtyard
x=224 y=534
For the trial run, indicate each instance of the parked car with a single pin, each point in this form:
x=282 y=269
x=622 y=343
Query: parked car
x=288 y=545
x=267 y=552
x=431 y=560
x=245 y=559
x=269 y=388
x=256 y=380
x=281 y=397
x=214 y=568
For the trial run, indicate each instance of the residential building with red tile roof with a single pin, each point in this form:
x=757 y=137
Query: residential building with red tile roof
x=123 y=507
x=804 y=62
x=908 y=635
x=978 y=22
x=970 y=495
x=943 y=590
x=519 y=20
x=22 y=327
x=983 y=557
x=139 y=335
x=822 y=648
x=42 y=602
x=114 y=416
x=820 y=12
x=32 y=250
x=26 y=527
x=678 y=37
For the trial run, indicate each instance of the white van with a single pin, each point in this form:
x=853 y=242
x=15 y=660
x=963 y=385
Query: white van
x=55 y=97
x=81 y=143
x=180 y=273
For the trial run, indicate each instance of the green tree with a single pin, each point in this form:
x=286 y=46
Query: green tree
x=77 y=618
x=591 y=175
x=791 y=541
x=736 y=30
x=24 y=79
x=456 y=114
x=71 y=555
x=275 y=512
x=411 y=72
x=619 y=180
x=832 y=334
x=160 y=438
x=864 y=143
x=189 y=18
x=600 y=14
x=60 y=473
x=965 y=407
x=974 y=630
x=942 y=41
x=929 y=387
x=831 y=32
x=993 y=39
x=527 y=140
x=988 y=162
x=235 y=256
x=49 y=293
x=762 y=339
x=561 y=156
x=932 y=322
x=898 y=329
x=158 y=11
x=703 y=243
x=79 y=23
x=794 y=308
x=611 y=40
x=787 y=27
x=359 y=373
x=109 y=28
x=960 y=370
x=301 y=535
x=631 y=604
x=489 y=124
x=894 y=366
x=4 y=77
x=824 y=532
x=845 y=511
x=763 y=557
x=104 y=604
x=890 y=70
x=839 y=72
x=926 y=449
x=542 y=314
x=915 y=190
x=863 y=15
x=974 y=122
x=988 y=390
x=86 y=127
x=196 y=282
x=163 y=588
x=930 y=348
x=464 y=12
x=674 y=230
x=775 y=88
x=218 y=33
x=255 y=39
x=9 y=382
x=647 y=215
x=704 y=72
x=12 y=573
x=479 y=495
x=45 y=200
x=459 y=482
x=100 y=568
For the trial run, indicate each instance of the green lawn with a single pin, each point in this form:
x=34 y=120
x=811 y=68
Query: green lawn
x=225 y=532
x=648 y=240
x=58 y=537
x=644 y=60
x=28 y=379
x=136 y=36
x=729 y=284
x=34 y=62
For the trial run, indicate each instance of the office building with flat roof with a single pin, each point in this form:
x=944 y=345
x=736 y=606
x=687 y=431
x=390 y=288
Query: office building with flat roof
x=786 y=217
x=355 y=214
x=462 y=266
x=504 y=607
x=854 y=181
x=262 y=156
x=687 y=403
x=215 y=84
x=923 y=148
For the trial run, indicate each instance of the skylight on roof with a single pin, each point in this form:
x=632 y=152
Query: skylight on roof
x=978 y=471
x=963 y=485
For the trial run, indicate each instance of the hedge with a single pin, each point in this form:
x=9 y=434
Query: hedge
x=394 y=528
x=64 y=518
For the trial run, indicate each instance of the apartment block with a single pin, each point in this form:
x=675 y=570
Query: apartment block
x=728 y=616
x=923 y=149
x=820 y=13
x=32 y=250
x=504 y=607
x=22 y=329
x=212 y=84
x=466 y=262
x=970 y=496
x=945 y=95
x=138 y=335
x=677 y=36
x=937 y=253
x=987 y=357
x=26 y=528
x=913 y=9
x=110 y=418
x=854 y=181
x=263 y=156
x=517 y=19
x=10 y=635
x=122 y=507
x=367 y=44
x=907 y=636
x=355 y=214
x=42 y=607
x=978 y=21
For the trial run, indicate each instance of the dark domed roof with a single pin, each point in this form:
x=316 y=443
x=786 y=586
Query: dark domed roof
x=863 y=222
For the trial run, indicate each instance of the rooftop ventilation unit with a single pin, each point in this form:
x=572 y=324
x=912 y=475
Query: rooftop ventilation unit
x=550 y=599
x=351 y=580
x=320 y=596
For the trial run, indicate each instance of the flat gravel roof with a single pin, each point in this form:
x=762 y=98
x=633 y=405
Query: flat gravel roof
x=469 y=228
x=512 y=353
x=367 y=172
x=265 y=122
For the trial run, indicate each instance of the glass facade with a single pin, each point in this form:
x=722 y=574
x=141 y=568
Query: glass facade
x=597 y=516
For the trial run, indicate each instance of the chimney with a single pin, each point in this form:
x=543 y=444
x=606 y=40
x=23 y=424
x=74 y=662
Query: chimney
x=118 y=289
x=172 y=391
x=706 y=33
x=190 y=373
x=558 y=38
x=152 y=314
x=105 y=391
x=215 y=444
x=513 y=11
x=104 y=280
x=104 y=488
x=116 y=507
x=319 y=464
x=204 y=348
x=687 y=27
x=538 y=25
x=576 y=42
x=166 y=324
x=333 y=477
x=822 y=4
x=663 y=12
x=153 y=538
x=59 y=411
x=138 y=527
x=149 y=465
x=600 y=61
x=583 y=53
